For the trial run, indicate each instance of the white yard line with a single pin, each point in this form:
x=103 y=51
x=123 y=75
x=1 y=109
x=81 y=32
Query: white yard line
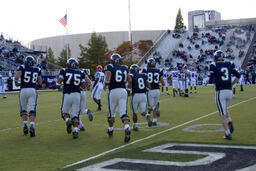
x=153 y=135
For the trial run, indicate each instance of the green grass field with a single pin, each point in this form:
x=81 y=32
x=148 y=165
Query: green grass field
x=53 y=148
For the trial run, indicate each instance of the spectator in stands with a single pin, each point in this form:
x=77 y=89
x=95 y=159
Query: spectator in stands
x=2 y=87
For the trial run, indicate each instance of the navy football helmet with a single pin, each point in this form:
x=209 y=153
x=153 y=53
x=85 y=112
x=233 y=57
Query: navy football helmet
x=116 y=59
x=134 y=68
x=151 y=62
x=29 y=61
x=72 y=63
x=219 y=55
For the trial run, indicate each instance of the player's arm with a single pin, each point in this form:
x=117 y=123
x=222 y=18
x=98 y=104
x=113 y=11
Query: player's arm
x=212 y=74
x=237 y=75
x=129 y=81
x=108 y=77
x=39 y=80
x=162 y=81
x=17 y=76
x=148 y=85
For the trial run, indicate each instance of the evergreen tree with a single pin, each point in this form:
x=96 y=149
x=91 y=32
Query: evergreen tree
x=179 y=21
x=93 y=53
x=62 y=60
x=50 y=56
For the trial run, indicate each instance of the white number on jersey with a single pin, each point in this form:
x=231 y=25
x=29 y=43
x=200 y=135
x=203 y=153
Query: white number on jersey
x=224 y=70
x=119 y=75
x=27 y=77
x=141 y=83
x=150 y=77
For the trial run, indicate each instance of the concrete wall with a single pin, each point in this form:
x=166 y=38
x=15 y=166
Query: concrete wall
x=113 y=40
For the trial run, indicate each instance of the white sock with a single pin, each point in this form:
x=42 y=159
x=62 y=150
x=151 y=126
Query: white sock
x=32 y=124
x=146 y=115
x=227 y=132
x=229 y=119
x=135 y=124
x=81 y=124
x=126 y=126
x=154 y=119
x=110 y=128
x=67 y=119
x=75 y=129
x=25 y=122
x=86 y=110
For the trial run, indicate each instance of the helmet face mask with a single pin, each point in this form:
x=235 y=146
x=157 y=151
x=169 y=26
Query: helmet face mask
x=116 y=59
x=72 y=63
x=29 y=61
x=134 y=68
x=219 y=56
x=151 y=62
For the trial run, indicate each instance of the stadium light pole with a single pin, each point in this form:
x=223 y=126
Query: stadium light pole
x=67 y=34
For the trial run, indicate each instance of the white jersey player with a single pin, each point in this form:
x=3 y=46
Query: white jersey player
x=193 y=79
x=2 y=87
x=98 y=86
x=165 y=78
x=175 y=81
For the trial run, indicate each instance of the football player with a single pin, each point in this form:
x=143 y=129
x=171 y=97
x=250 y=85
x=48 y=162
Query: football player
x=175 y=82
x=83 y=101
x=116 y=77
x=193 y=79
x=185 y=78
x=139 y=85
x=73 y=79
x=241 y=80
x=98 y=86
x=2 y=87
x=220 y=73
x=180 y=80
x=155 y=76
x=165 y=78
x=30 y=78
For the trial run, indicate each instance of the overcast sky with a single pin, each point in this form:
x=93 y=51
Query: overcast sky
x=27 y=20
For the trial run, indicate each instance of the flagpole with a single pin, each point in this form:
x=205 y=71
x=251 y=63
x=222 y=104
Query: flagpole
x=67 y=34
x=130 y=33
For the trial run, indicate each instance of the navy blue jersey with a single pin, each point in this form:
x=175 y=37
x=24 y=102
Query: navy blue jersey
x=72 y=80
x=221 y=74
x=154 y=76
x=139 y=83
x=29 y=76
x=118 y=76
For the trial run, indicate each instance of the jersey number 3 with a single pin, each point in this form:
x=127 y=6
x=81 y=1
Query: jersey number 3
x=225 y=76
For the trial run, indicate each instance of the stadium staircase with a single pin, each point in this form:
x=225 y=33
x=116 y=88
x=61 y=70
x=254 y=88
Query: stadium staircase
x=249 y=52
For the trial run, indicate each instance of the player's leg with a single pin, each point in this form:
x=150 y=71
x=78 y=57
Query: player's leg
x=122 y=106
x=23 y=110
x=186 y=88
x=134 y=109
x=76 y=98
x=2 y=90
x=112 y=104
x=143 y=108
x=221 y=104
x=191 y=86
x=66 y=105
x=98 y=94
x=155 y=101
x=32 y=103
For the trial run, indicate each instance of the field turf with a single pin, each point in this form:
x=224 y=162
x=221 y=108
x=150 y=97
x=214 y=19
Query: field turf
x=53 y=148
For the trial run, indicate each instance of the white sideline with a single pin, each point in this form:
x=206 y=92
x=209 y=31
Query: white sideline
x=153 y=135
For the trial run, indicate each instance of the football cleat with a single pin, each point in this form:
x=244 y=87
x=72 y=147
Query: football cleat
x=82 y=128
x=32 y=131
x=69 y=126
x=75 y=135
x=228 y=137
x=90 y=116
x=110 y=132
x=135 y=128
x=231 y=127
x=149 y=121
x=25 y=129
x=127 y=135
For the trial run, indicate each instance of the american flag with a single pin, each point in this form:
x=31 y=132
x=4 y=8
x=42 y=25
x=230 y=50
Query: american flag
x=63 y=20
